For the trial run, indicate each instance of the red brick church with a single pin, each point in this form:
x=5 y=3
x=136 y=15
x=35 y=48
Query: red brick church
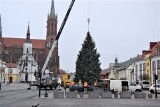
x=11 y=49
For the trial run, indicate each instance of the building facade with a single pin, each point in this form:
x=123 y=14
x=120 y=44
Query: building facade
x=11 y=49
x=27 y=64
x=148 y=65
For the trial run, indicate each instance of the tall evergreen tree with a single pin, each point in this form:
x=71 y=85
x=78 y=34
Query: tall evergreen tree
x=87 y=64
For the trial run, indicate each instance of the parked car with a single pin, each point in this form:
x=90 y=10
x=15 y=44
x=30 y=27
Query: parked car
x=152 y=88
x=79 y=88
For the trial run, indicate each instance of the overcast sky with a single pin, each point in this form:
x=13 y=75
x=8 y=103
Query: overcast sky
x=118 y=27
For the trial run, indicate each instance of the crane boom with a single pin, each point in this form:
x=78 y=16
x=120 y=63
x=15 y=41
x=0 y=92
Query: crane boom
x=57 y=37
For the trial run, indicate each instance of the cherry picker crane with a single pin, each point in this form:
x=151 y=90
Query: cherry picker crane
x=55 y=42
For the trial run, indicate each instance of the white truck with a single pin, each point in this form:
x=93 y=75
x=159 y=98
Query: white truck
x=124 y=85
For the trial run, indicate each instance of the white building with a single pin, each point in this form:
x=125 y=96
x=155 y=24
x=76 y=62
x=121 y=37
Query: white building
x=155 y=67
x=124 y=70
x=139 y=70
x=27 y=65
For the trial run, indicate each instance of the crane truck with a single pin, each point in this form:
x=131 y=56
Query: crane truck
x=47 y=79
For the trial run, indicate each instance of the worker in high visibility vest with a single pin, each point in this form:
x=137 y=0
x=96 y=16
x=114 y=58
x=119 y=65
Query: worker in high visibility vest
x=85 y=87
x=95 y=84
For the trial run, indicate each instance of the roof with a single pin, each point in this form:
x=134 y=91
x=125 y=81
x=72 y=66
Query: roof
x=127 y=63
x=11 y=65
x=61 y=71
x=153 y=50
x=105 y=71
x=18 y=42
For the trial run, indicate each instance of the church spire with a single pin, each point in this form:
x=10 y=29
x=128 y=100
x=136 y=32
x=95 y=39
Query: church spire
x=28 y=33
x=0 y=28
x=52 y=12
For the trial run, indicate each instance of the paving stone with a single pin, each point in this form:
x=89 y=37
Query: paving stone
x=125 y=94
x=106 y=94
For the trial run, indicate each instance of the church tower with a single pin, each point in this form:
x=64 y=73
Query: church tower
x=50 y=37
x=51 y=25
x=27 y=45
x=27 y=65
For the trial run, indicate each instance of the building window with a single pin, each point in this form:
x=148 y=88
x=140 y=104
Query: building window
x=153 y=65
x=158 y=64
x=158 y=50
x=27 y=50
x=144 y=67
x=140 y=67
x=136 y=71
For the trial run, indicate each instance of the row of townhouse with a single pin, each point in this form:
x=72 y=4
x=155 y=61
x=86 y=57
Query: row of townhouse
x=149 y=64
x=140 y=69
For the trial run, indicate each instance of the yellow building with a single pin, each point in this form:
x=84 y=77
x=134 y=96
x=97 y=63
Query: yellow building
x=11 y=73
x=147 y=67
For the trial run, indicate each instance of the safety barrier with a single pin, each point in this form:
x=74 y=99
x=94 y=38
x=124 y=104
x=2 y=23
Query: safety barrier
x=71 y=94
x=108 y=94
x=125 y=94
x=58 y=94
x=139 y=95
x=94 y=95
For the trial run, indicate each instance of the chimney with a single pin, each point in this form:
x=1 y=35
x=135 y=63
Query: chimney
x=152 y=44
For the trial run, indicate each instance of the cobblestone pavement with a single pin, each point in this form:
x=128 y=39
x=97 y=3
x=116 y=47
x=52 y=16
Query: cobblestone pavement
x=14 y=86
x=17 y=95
x=89 y=103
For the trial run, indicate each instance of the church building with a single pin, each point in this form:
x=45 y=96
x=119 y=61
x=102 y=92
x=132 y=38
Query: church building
x=12 y=49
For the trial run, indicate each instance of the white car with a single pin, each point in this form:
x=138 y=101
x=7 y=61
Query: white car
x=152 y=88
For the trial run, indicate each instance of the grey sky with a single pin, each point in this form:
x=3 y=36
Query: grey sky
x=119 y=27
